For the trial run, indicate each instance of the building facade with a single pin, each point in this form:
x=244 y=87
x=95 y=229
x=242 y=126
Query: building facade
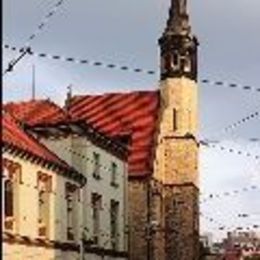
x=89 y=220
x=163 y=148
x=41 y=200
x=160 y=130
x=105 y=196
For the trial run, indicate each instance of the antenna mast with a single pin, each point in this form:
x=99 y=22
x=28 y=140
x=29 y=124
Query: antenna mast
x=33 y=82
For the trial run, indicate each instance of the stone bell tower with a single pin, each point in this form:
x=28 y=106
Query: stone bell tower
x=176 y=155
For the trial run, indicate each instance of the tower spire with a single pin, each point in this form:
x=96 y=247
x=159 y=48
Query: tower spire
x=178 y=45
x=178 y=21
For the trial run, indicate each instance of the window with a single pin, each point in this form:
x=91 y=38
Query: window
x=71 y=200
x=175 y=59
x=168 y=61
x=96 y=165
x=114 y=213
x=96 y=200
x=44 y=189
x=11 y=181
x=114 y=173
x=9 y=199
x=174 y=118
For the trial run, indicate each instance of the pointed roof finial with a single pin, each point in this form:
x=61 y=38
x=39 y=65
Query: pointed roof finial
x=69 y=96
x=178 y=21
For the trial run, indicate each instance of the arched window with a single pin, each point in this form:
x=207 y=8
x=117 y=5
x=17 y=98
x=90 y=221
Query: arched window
x=175 y=59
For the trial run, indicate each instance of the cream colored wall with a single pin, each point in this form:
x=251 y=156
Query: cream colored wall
x=180 y=94
x=22 y=252
x=28 y=209
x=81 y=146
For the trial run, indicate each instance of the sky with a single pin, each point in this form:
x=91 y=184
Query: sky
x=126 y=33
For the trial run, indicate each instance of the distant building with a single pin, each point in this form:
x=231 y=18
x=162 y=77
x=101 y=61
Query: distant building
x=207 y=240
x=241 y=244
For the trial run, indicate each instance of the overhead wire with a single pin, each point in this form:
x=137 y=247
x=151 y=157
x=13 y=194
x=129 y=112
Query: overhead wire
x=27 y=49
x=126 y=68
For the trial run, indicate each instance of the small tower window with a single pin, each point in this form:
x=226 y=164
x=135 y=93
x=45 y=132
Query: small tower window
x=168 y=61
x=175 y=123
x=175 y=59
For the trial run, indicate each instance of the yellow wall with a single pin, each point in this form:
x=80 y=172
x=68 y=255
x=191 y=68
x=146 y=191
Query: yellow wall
x=28 y=214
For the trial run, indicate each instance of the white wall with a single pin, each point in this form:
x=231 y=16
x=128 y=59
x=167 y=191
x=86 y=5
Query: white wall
x=71 y=150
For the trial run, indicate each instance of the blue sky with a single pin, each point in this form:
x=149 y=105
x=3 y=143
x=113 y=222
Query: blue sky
x=126 y=32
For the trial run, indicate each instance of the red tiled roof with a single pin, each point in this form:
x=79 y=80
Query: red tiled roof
x=36 y=112
x=14 y=135
x=116 y=114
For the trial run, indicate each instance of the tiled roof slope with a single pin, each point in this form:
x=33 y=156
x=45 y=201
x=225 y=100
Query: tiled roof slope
x=116 y=114
x=14 y=135
x=35 y=112
x=45 y=113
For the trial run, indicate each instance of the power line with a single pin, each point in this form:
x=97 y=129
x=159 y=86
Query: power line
x=229 y=85
x=229 y=150
x=86 y=62
x=44 y=22
x=27 y=49
x=238 y=123
x=127 y=68
x=229 y=193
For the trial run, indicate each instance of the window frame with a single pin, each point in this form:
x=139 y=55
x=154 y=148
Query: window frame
x=96 y=166
x=71 y=197
x=96 y=202
x=44 y=188
x=114 y=175
x=114 y=223
x=13 y=172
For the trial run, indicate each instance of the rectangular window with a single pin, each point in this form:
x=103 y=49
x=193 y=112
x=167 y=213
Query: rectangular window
x=44 y=189
x=96 y=165
x=9 y=198
x=71 y=195
x=174 y=118
x=96 y=200
x=11 y=180
x=114 y=215
x=114 y=173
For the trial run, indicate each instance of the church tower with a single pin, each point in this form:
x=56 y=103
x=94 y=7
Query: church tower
x=176 y=154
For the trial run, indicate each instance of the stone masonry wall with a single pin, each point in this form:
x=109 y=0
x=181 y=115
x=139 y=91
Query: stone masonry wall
x=138 y=218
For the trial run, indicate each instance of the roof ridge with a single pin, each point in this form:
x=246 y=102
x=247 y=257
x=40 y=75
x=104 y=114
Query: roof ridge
x=116 y=93
x=25 y=102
